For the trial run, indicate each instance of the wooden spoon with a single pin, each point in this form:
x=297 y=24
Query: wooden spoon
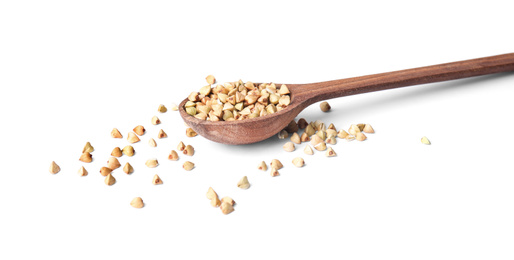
x=302 y=95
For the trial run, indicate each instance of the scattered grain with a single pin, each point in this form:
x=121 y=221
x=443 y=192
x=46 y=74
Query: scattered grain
x=305 y=137
x=243 y=183
x=128 y=150
x=155 y=120
x=128 y=169
x=215 y=202
x=276 y=164
x=321 y=146
x=139 y=130
x=331 y=132
x=156 y=180
x=115 y=133
x=188 y=166
x=162 y=134
x=82 y=171
x=342 y=134
x=189 y=150
x=317 y=124
x=322 y=134
x=152 y=142
x=302 y=123
x=354 y=129
x=330 y=152
x=331 y=140
x=274 y=172
x=211 y=194
x=292 y=127
x=173 y=156
x=190 y=132
x=109 y=179
x=104 y=171
x=226 y=208
x=116 y=152
x=86 y=157
x=315 y=140
x=113 y=163
x=368 y=129
x=262 y=166
x=181 y=146
x=282 y=134
x=298 y=162
x=210 y=79
x=132 y=138
x=152 y=163
x=295 y=138
x=360 y=136
x=137 y=203
x=308 y=150
x=289 y=147
x=162 y=108
x=88 y=148
x=309 y=130
x=325 y=107
x=54 y=168
x=228 y=200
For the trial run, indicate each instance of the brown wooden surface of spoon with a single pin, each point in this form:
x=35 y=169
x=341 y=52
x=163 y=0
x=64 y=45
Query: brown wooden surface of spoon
x=302 y=95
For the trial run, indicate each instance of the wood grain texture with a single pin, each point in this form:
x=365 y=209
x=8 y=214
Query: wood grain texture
x=302 y=95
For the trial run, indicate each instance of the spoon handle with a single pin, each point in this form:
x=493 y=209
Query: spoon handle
x=311 y=93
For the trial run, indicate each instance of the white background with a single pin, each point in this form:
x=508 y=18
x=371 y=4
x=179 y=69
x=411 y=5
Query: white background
x=70 y=71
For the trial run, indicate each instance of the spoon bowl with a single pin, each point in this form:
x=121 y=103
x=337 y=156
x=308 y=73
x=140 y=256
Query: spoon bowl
x=247 y=131
x=302 y=95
